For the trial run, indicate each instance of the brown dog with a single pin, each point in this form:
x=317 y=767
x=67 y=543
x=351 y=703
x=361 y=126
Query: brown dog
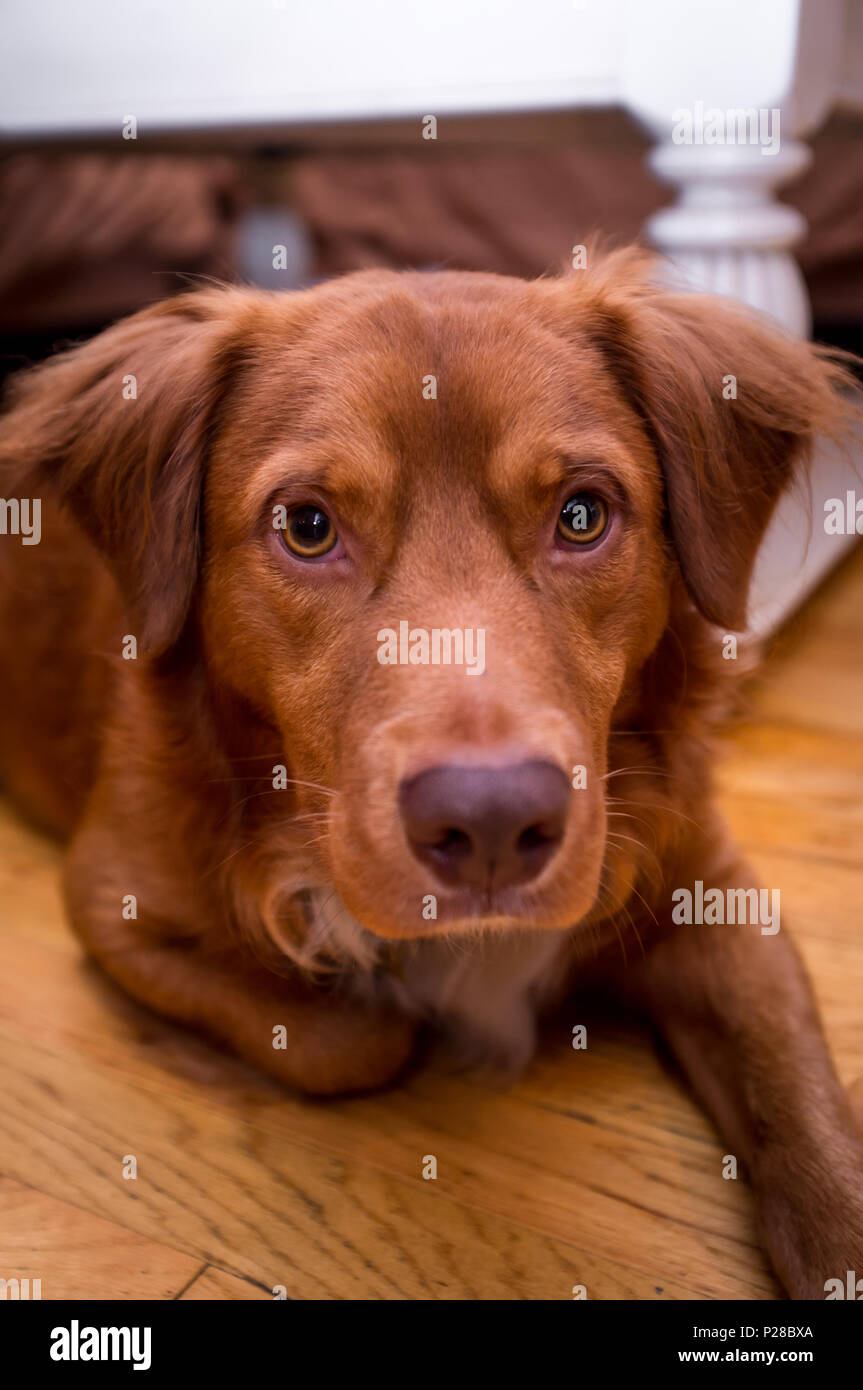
x=392 y=611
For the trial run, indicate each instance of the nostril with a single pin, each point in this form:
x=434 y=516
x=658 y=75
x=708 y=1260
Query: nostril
x=454 y=844
x=538 y=837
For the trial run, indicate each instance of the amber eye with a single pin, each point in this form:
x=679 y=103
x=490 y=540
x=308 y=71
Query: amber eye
x=309 y=532
x=583 y=518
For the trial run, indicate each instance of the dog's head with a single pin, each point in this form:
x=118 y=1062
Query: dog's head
x=427 y=535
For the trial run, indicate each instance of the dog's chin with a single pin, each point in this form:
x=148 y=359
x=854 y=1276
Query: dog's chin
x=470 y=913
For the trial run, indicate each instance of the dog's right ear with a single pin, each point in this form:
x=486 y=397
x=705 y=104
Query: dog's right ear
x=117 y=429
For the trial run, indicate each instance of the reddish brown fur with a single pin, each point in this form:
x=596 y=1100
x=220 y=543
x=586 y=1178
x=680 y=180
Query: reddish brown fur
x=157 y=522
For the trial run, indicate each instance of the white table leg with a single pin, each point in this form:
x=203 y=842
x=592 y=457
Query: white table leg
x=727 y=89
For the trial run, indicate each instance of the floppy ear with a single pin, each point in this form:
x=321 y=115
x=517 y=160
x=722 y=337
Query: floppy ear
x=733 y=406
x=117 y=429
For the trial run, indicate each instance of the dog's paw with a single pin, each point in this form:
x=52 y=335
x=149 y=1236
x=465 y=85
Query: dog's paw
x=352 y=1050
x=817 y=1245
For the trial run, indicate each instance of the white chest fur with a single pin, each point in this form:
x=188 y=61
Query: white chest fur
x=484 y=991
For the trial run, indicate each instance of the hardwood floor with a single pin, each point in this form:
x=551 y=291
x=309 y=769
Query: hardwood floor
x=596 y=1169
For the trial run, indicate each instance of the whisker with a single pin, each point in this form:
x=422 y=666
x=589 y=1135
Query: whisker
x=646 y=904
x=657 y=806
x=615 y=835
x=647 y=771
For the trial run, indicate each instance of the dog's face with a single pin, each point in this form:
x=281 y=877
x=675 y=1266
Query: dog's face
x=513 y=502
x=424 y=534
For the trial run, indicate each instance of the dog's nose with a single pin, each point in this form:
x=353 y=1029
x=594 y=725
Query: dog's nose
x=486 y=827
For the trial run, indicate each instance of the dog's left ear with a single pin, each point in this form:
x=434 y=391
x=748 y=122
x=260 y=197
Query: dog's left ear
x=732 y=405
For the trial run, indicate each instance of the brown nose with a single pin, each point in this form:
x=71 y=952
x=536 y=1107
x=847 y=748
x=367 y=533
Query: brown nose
x=486 y=827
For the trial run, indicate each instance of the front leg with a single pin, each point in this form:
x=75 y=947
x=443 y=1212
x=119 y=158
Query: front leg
x=329 y=1044
x=737 y=1009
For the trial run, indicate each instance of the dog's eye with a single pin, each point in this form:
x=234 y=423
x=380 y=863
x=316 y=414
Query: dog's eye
x=309 y=532
x=583 y=518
